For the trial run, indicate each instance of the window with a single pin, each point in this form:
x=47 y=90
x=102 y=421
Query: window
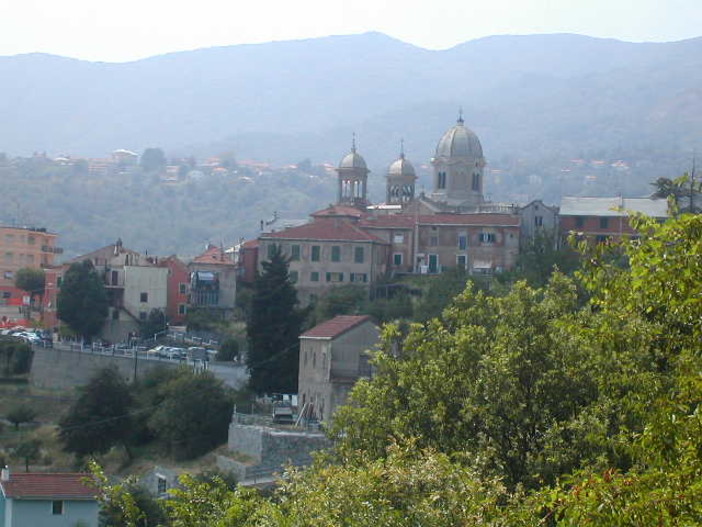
x=115 y=314
x=487 y=237
x=181 y=309
x=144 y=297
x=161 y=484
x=579 y=221
x=142 y=315
x=538 y=221
x=604 y=223
x=433 y=241
x=358 y=277
x=59 y=281
x=475 y=185
x=295 y=252
x=6 y=294
x=336 y=253
x=314 y=276
x=441 y=183
x=316 y=250
x=57 y=507
x=397 y=259
x=293 y=276
x=31 y=240
x=461 y=261
x=9 y=275
x=398 y=238
x=335 y=277
x=182 y=288
x=358 y=254
x=8 y=257
x=462 y=241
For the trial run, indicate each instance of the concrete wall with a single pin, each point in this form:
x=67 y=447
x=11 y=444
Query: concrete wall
x=60 y=369
x=149 y=280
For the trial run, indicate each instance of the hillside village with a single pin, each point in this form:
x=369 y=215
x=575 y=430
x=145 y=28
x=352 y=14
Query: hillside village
x=373 y=247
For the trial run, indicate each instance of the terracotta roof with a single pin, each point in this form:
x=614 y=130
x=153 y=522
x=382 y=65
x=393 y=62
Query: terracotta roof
x=504 y=220
x=338 y=210
x=213 y=255
x=325 y=229
x=389 y=221
x=57 y=485
x=335 y=327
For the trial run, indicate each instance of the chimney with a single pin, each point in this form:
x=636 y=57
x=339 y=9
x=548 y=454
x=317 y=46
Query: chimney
x=5 y=474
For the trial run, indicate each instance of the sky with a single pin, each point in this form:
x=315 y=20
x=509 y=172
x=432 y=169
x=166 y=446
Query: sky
x=128 y=30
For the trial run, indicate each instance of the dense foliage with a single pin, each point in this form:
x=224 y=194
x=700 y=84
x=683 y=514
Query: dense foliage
x=82 y=300
x=273 y=329
x=15 y=356
x=533 y=408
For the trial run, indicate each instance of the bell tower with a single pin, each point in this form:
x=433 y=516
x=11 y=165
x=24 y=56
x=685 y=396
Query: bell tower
x=353 y=178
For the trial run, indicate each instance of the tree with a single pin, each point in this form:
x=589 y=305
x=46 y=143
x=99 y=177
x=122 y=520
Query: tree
x=193 y=416
x=16 y=357
x=82 y=300
x=155 y=323
x=229 y=350
x=20 y=414
x=152 y=160
x=101 y=416
x=31 y=280
x=343 y=300
x=273 y=329
x=29 y=451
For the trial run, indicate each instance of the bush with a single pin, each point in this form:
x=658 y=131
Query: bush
x=229 y=350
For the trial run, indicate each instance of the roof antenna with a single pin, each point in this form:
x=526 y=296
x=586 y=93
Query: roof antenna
x=402 y=148
x=353 y=143
x=460 y=115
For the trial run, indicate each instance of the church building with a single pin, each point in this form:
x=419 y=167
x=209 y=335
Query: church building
x=356 y=242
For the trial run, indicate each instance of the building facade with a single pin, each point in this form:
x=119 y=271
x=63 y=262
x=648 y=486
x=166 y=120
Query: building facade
x=332 y=359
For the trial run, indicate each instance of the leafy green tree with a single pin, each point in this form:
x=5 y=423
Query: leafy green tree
x=273 y=329
x=101 y=416
x=438 y=291
x=229 y=350
x=31 y=280
x=29 y=451
x=82 y=300
x=539 y=258
x=155 y=323
x=20 y=414
x=193 y=416
x=16 y=356
x=152 y=160
x=343 y=300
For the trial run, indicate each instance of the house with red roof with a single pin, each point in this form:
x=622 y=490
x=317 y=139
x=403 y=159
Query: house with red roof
x=213 y=280
x=333 y=356
x=47 y=500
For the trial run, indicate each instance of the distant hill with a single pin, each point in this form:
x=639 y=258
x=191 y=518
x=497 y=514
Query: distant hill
x=524 y=95
x=556 y=114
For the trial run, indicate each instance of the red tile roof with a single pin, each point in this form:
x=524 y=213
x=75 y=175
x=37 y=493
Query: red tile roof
x=250 y=244
x=338 y=210
x=57 y=485
x=505 y=220
x=390 y=221
x=335 y=327
x=213 y=255
x=330 y=229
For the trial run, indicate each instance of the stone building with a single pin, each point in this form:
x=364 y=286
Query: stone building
x=332 y=358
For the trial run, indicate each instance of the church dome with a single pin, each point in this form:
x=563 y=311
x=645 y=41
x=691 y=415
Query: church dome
x=353 y=160
x=401 y=168
x=459 y=141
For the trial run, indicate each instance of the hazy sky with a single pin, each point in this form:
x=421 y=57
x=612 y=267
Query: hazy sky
x=131 y=29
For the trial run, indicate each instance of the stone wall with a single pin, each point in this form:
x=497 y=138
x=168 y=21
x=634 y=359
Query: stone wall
x=59 y=369
x=270 y=449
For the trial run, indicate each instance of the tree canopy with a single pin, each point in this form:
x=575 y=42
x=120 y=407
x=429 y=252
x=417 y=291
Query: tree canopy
x=101 y=416
x=82 y=300
x=273 y=329
x=31 y=280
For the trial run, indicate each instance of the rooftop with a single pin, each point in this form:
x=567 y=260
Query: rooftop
x=331 y=229
x=57 y=485
x=613 y=206
x=335 y=327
